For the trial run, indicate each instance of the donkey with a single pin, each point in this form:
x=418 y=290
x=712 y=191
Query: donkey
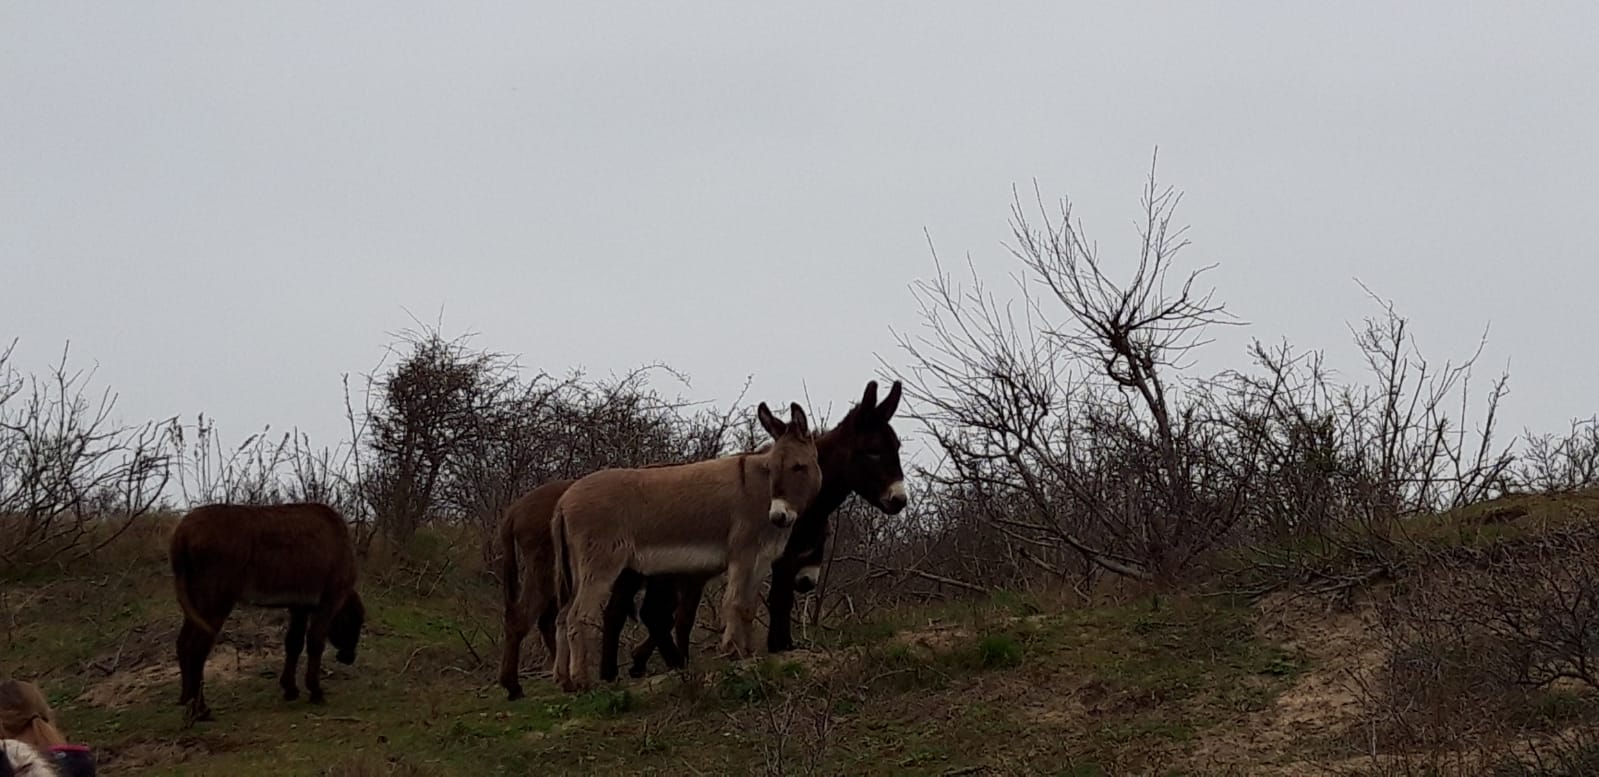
x=296 y=556
x=860 y=455
x=526 y=579
x=732 y=513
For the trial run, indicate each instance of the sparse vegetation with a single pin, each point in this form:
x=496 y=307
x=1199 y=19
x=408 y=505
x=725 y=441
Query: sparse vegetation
x=1117 y=568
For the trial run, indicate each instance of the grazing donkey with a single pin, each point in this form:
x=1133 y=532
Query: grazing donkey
x=732 y=513
x=527 y=578
x=860 y=455
x=297 y=556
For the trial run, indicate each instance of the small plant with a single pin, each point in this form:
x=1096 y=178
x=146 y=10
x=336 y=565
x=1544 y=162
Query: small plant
x=1281 y=665
x=999 y=651
x=992 y=651
x=1015 y=603
x=604 y=703
x=758 y=682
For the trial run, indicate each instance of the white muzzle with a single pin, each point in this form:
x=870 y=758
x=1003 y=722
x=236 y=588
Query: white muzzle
x=807 y=578
x=782 y=513
x=895 y=498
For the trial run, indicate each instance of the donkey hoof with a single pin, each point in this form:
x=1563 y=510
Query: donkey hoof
x=196 y=713
x=316 y=698
x=637 y=671
x=290 y=694
x=514 y=692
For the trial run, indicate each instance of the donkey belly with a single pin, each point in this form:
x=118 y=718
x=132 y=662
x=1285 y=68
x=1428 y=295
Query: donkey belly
x=260 y=598
x=264 y=588
x=689 y=558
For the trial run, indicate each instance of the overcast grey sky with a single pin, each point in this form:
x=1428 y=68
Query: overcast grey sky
x=227 y=207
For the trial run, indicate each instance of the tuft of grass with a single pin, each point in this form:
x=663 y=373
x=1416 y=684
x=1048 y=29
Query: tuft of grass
x=989 y=652
x=1015 y=603
x=756 y=682
x=603 y=703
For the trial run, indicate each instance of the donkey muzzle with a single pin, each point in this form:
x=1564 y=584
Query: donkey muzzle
x=806 y=580
x=782 y=513
x=895 y=498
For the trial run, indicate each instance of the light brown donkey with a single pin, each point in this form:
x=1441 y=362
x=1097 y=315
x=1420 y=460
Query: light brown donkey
x=732 y=513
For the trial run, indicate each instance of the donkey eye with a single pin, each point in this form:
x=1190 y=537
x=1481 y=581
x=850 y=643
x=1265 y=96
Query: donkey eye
x=799 y=467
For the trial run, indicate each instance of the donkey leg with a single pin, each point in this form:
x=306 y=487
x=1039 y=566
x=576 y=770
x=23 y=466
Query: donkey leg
x=547 y=632
x=584 y=619
x=315 y=639
x=516 y=629
x=617 y=610
x=293 y=641
x=737 y=611
x=780 y=606
x=586 y=623
x=689 y=593
x=563 y=648
x=660 y=602
x=538 y=600
x=194 y=646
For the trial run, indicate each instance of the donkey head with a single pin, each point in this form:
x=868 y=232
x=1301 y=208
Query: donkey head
x=796 y=477
x=345 y=631
x=870 y=451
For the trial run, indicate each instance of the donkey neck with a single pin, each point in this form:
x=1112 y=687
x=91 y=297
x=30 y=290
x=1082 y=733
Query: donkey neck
x=833 y=455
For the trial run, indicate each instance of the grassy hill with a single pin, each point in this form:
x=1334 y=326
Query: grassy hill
x=1141 y=683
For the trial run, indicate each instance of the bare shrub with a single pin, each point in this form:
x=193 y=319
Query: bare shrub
x=1071 y=410
x=1074 y=441
x=1551 y=464
x=797 y=723
x=1490 y=654
x=452 y=435
x=433 y=402
x=1340 y=466
x=72 y=479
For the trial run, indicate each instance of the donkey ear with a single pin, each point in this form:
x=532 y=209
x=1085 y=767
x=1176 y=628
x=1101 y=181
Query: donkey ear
x=773 y=426
x=869 y=398
x=797 y=421
x=886 y=410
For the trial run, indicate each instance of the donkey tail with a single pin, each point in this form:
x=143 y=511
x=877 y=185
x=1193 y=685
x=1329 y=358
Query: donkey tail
x=510 y=570
x=563 y=560
x=182 y=573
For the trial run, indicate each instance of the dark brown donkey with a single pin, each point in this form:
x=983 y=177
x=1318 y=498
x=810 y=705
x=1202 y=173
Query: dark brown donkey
x=859 y=455
x=729 y=514
x=296 y=556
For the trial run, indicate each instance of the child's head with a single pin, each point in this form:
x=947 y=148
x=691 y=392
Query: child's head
x=26 y=716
